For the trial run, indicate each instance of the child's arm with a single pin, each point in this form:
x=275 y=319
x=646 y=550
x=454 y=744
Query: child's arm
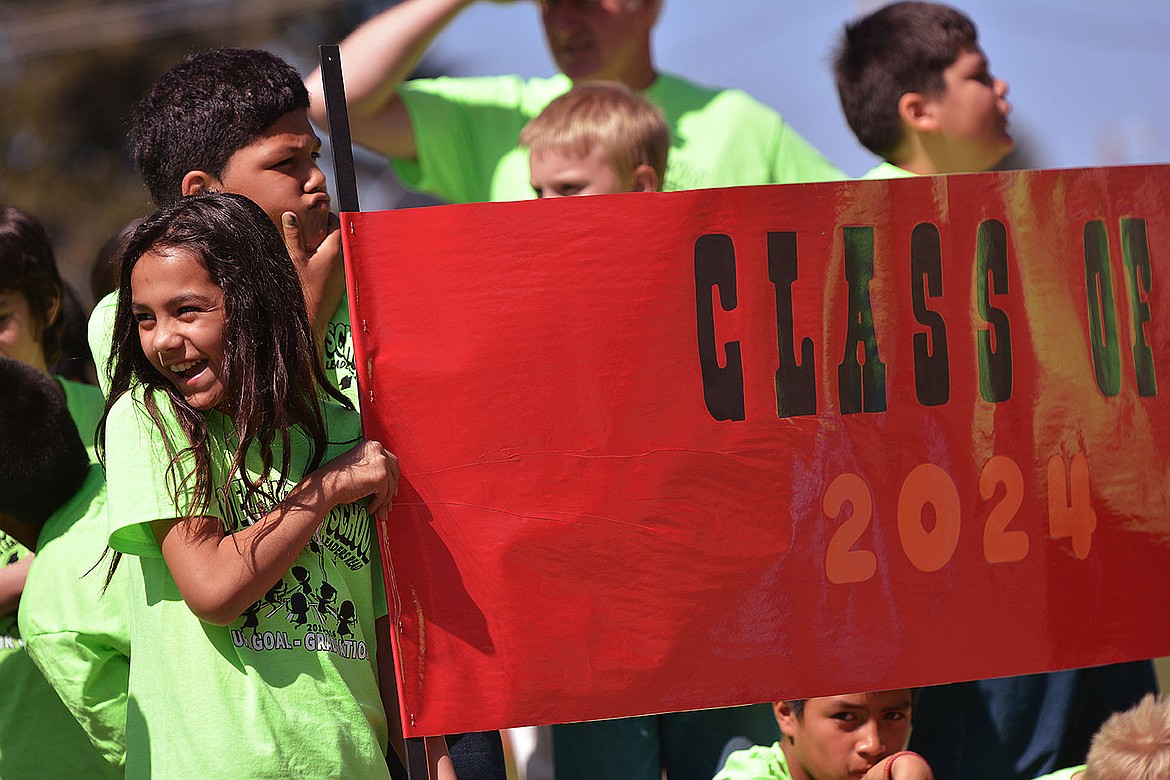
x=220 y=575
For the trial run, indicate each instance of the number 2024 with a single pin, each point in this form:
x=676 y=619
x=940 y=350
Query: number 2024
x=1070 y=515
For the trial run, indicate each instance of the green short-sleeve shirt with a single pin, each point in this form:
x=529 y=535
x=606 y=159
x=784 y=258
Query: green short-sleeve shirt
x=288 y=689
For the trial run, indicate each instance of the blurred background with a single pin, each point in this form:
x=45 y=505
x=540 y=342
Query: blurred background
x=1088 y=82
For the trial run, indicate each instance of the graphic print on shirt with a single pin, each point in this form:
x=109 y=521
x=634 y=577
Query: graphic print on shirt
x=339 y=362
x=303 y=611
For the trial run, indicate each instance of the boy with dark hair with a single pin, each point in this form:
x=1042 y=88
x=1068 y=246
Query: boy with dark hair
x=916 y=91
x=860 y=735
x=236 y=120
x=178 y=133
x=596 y=138
x=53 y=500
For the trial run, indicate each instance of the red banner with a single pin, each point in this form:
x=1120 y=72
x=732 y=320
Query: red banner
x=685 y=450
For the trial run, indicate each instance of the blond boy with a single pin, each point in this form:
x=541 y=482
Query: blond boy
x=602 y=137
x=599 y=137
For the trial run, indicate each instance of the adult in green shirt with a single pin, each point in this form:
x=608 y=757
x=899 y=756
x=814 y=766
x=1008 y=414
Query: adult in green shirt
x=457 y=138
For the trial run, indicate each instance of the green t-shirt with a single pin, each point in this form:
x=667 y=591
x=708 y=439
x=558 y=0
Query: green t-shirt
x=288 y=689
x=759 y=762
x=887 y=170
x=466 y=133
x=78 y=636
x=38 y=735
x=338 y=357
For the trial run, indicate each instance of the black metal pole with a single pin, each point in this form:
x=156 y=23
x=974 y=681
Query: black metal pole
x=339 y=139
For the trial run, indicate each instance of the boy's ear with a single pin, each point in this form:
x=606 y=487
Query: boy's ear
x=645 y=179
x=914 y=109
x=785 y=717
x=198 y=181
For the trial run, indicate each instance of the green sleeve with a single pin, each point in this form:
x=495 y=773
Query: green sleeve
x=101 y=337
x=142 y=485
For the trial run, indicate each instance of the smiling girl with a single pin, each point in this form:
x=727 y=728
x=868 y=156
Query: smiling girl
x=229 y=465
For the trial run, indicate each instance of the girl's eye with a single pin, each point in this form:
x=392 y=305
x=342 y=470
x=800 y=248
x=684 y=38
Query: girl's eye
x=143 y=317
x=317 y=154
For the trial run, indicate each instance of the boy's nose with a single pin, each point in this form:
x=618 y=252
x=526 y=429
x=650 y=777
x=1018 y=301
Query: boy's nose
x=316 y=180
x=1001 y=91
x=870 y=743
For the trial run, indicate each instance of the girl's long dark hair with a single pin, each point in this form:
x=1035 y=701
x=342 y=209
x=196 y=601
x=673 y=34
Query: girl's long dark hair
x=272 y=373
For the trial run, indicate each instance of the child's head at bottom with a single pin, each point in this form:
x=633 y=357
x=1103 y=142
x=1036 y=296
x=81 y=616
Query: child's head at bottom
x=210 y=310
x=599 y=137
x=1132 y=745
x=840 y=737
